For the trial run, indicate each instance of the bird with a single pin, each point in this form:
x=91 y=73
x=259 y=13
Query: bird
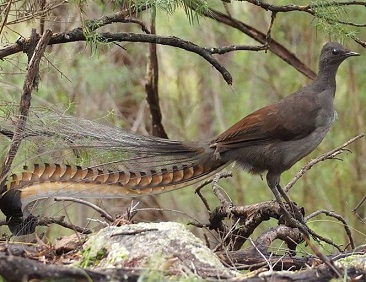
x=270 y=140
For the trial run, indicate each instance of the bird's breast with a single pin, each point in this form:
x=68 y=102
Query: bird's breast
x=325 y=118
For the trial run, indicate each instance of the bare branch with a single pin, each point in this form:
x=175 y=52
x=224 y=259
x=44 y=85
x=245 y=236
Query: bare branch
x=121 y=16
x=327 y=156
x=78 y=35
x=152 y=89
x=225 y=49
x=338 y=217
x=304 y=8
x=45 y=221
x=217 y=192
x=102 y=212
x=30 y=16
x=29 y=83
x=274 y=46
x=5 y=16
x=359 y=204
x=337 y=271
x=312 y=10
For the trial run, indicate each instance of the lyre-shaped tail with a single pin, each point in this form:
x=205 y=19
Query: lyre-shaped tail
x=122 y=164
x=52 y=180
x=55 y=180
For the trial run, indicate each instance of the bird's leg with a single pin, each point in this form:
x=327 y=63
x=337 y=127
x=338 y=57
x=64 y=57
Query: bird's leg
x=298 y=222
x=294 y=209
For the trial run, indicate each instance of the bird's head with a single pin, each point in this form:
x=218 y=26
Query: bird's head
x=333 y=54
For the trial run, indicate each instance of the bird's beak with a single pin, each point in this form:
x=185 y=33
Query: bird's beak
x=350 y=54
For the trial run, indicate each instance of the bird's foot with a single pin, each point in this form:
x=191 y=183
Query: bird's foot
x=295 y=211
x=293 y=218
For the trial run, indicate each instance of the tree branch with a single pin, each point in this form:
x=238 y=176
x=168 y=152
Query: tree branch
x=304 y=8
x=14 y=269
x=273 y=45
x=30 y=83
x=78 y=35
x=151 y=86
x=312 y=10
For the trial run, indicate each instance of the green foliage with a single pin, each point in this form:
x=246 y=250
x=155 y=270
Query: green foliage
x=329 y=17
x=192 y=8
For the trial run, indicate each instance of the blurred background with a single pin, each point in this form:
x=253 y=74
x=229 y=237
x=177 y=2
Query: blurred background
x=97 y=80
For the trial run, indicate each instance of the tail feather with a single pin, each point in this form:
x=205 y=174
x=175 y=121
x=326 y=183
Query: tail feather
x=61 y=173
x=92 y=183
x=118 y=163
x=73 y=140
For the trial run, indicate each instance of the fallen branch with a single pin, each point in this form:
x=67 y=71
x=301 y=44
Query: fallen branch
x=15 y=269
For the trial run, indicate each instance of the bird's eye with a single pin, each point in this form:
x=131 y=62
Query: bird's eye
x=335 y=52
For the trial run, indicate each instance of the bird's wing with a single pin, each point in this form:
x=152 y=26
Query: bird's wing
x=270 y=124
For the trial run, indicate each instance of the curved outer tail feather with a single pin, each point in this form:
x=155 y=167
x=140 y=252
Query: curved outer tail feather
x=122 y=164
x=56 y=180
x=53 y=180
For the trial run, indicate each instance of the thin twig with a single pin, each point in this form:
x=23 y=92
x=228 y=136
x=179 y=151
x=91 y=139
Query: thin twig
x=102 y=212
x=338 y=272
x=359 y=204
x=216 y=189
x=226 y=49
x=338 y=217
x=327 y=156
x=134 y=232
x=36 y=14
x=312 y=10
x=303 y=8
x=203 y=199
x=137 y=21
x=208 y=181
x=5 y=16
x=45 y=221
x=169 y=210
x=268 y=35
x=319 y=238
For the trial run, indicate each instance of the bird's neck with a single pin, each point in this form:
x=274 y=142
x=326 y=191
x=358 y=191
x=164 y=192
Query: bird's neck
x=326 y=78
